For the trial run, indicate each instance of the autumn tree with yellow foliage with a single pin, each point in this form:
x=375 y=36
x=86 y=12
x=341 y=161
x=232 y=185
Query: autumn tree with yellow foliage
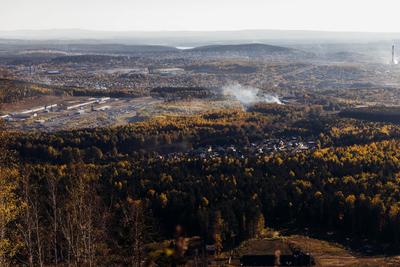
x=11 y=205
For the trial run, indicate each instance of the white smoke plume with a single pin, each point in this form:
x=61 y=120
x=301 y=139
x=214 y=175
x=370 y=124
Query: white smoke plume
x=248 y=95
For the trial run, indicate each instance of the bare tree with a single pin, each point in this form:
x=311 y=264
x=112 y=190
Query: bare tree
x=135 y=220
x=80 y=219
x=30 y=226
x=52 y=185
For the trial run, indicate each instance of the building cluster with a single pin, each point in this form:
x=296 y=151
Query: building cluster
x=266 y=147
x=79 y=108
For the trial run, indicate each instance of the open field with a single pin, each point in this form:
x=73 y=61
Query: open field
x=86 y=112
x=324 y=253
x=332 y=254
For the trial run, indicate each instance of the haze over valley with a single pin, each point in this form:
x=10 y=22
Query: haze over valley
x=258 y=133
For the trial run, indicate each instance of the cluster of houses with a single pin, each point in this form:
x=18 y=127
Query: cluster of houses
x=269 y=146
x=266 y=147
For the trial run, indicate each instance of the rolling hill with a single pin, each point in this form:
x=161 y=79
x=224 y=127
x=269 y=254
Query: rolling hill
x=248 y=50
x=264 y=48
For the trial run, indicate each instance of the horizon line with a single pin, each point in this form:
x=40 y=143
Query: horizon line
x=199 y=30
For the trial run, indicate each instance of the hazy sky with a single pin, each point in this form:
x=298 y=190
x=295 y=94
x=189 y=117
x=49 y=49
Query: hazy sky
x=348 y=15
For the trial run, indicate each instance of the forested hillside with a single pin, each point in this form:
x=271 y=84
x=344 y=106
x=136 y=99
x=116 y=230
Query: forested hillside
x=96 y=197
x=12 y=91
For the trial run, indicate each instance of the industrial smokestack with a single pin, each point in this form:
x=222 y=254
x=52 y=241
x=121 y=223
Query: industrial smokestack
x=393 y=60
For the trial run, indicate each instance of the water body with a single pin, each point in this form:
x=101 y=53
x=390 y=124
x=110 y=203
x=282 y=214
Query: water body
x=184 y=47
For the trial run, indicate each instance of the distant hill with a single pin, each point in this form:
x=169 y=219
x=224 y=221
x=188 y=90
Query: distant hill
x=84 y=59
x=119 y=48
x=98 y=48
x=249 y=50
x=263 y=48
x=196 y=38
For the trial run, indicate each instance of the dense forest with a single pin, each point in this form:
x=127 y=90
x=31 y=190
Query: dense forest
x=96 y=197
x=12 y=91
x=379 y=114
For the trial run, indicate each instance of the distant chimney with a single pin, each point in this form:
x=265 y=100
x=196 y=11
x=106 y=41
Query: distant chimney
x=393 y=60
